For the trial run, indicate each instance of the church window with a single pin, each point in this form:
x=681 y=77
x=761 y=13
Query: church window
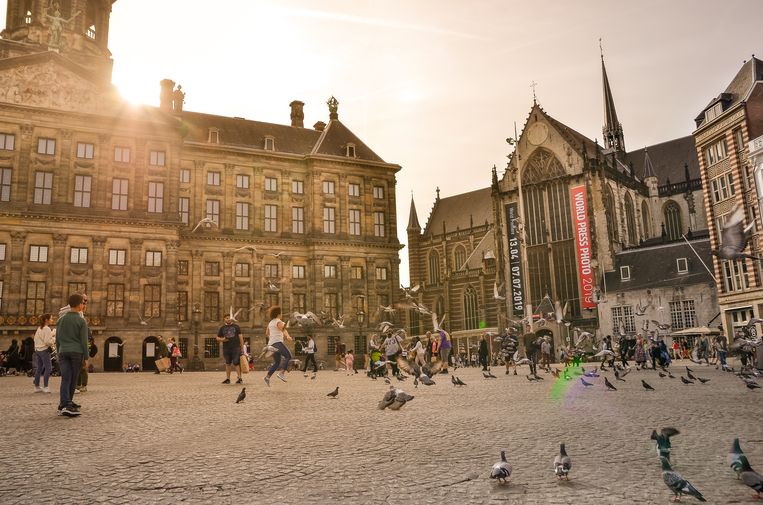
x=459 y=257
x=471 y=316
x=672 y=215
x=630 y=219
x=434 y=268
x=609 y=212
x=645 y=219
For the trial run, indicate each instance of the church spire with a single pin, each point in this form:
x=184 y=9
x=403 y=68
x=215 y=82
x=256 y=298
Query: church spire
x=612 y=130
x=648 y=166
x=413 y=219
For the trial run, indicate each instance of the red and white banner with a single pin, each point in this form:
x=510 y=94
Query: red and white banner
x=583 y=245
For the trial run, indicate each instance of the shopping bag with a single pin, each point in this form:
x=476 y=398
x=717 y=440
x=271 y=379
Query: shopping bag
x=162 y=364
x=244 y=361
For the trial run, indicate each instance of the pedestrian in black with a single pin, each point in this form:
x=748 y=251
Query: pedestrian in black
x=310 y=356
x=484 y=352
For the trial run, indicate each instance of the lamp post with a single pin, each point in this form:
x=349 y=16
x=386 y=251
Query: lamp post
x=361 y=319
x=196 y=363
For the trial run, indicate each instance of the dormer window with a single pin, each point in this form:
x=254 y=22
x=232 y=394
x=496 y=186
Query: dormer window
x=28 y=17
x=214 y=136
x=682 y=265
x=625 y=273
x=713 y=112
x=270 y=143
x=350 y=150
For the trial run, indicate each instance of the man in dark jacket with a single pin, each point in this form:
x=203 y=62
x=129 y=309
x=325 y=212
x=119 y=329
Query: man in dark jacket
x=71 y=340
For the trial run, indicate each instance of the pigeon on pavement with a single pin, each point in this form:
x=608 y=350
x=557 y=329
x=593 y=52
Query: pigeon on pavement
x=663 y=441
x=334 y=393
x=662 y=375
x=735 y=457
x=690 y=376
x=686 y=381
x=489 y=375
x=424 y=379
x=562 y=464
x=241 y=396
x=703 y=381
x=750 y=477
x=501 y=470
x=646 y=386
x=677 y=484
x=586 y=384
x=609 y=385
x=401 y=398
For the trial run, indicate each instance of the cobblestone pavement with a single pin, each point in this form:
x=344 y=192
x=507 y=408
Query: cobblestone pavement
x=181 y=438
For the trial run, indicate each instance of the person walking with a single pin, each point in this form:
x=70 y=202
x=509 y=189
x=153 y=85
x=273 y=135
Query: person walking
x=483 y=352
x=545 y=353
x=639 y=354
x=392 y=350
x=276 y=333
x=722 y=350
x=44 y=340
x=175 y=355
x=444 y=347
x=310 y=356
x=349 y=360
x=71 y=340
x=418 y=351
x=230 y=335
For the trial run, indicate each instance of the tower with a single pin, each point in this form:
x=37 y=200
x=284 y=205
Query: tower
x=612 y=130
x=414 y=237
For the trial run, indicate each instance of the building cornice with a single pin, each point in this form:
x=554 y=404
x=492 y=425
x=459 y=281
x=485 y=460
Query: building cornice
x=722 y=122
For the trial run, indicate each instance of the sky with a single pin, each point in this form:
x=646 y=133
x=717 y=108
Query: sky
x=436 y=85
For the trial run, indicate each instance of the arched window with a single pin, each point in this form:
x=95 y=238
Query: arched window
x=630 y=219
x=471 y=316
x=646 y=220
x=434 y=268
x=672 y=215
x=459 y=257
x=609 y=212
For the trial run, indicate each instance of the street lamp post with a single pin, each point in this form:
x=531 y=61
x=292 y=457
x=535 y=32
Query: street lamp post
x=361 y=319
x=196 y=363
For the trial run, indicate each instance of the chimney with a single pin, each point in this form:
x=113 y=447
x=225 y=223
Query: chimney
x=166 y=94
x=297 y=115
x=319 y=126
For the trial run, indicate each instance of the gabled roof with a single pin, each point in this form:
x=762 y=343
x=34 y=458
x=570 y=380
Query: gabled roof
x=576 y=139
x=737 y=90
x=667 y=160
x=334 y=140
x=460 y=212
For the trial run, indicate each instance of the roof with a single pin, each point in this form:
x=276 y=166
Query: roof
x=413 y=219
x=736 y=91
x=334 y=140
x=667 y=160
x=576 y=139
x=460 y=212
x=647 y=273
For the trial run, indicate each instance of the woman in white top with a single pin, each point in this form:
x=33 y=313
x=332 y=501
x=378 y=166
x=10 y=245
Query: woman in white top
x=419 y=352
x=310 y=356
x=44 y=339
x=276 y=332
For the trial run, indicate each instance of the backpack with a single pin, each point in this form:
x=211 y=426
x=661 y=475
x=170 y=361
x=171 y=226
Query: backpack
x=93 y=350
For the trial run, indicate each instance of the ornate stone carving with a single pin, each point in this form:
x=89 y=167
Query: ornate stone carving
x=59 y=239
x=48 y=85
x=18 y=237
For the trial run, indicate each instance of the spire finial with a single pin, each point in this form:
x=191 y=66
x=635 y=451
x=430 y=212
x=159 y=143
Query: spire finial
x=601 y=50
x=533 y=84
x=438 y=192
x=333 y=104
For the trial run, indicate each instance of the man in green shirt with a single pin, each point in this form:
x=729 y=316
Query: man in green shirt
x=71 y=340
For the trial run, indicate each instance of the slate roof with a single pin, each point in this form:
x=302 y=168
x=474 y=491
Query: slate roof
x=413 y=219
x=736 y=91
x=576 y=139
x=646 y=272
x=459 y=211
x=667 y=160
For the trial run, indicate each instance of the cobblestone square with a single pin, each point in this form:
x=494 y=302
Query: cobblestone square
x=146 y=438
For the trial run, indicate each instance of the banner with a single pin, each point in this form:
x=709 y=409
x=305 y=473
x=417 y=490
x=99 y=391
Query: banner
x=515 y=260
x=583 y=245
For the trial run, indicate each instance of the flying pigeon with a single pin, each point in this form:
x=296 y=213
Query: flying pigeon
x=206 y=221
x=243 y=248
x=334 y=393
x=604 y=352
x=646 y=386
x=609 y=385
x=734 y=237
x=617 y=375
x=144 y=322
x=750 y=477
x=735 y=458
x=501 y=470
x=496 y=292
x=686 y=381
x=677 y=484
x=560 y=312
x=586 y=384
x=241 y=396
x=703 y=381
x=663 y=441
x=562 y=463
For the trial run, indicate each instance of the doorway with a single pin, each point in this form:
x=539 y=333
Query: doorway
x=113 y=354
x=150 y=353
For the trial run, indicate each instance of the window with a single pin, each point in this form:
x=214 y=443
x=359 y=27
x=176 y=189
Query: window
x=645 y=220
x=46 y=146
x=459 y=257
x=328 y=187
x=298 y=271
x=38 y=253
x=242 y=181
x=183 y=204
x=43 y=187
x=185 y=176
x=356 y=272
x=354 y=222
x=212 y=268
x=2 y=252
x=714 y=111
x=381 y=273
x=242 y=216
x=117 y=256
x=182 y=308
x=434 y=268
x=271 y=270
x=122 y=154
x=242 y=301
x=609 y=211
x=115 y=300
x=82 y=186
x=270 y=144
x=214 y=136
x=630 y=220
x=329 y=221
x=378 y=224
x=298 y=187
x=722 y=187
x=299 y=302
x=85 y=151
x=119 y=194
x=182 y=267
x=378 y=192
x=271 y=299
x=156 y=158
x=350 y=152
x=211 y=345
x=271 y=220
x=329 y=271
x=673 y=224
x=623 y=316
x=35 y=298
x=153 y=258
x=625 y=273
x=735 y=276
x=682 y=314
x=211 y=306
x=78 y=255
x=354 y=189
x=331 y=304
x=5 y=184
x=271 y=184
x=183 y=343
x=152 y=300
x=471 y=315
x=241 y=270
x=213 y=178
x=77 y=287
x=716 y=152
x=155 y=197
x=297 y=220
x=213 y=211
x=7 y=141
x=682 y=265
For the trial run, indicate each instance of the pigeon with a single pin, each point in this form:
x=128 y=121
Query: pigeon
x=690 y=376
x=734 y=237
x=497 y=292
x=646 y=386
x=387 y=381
x=426 y=380
x=246 y=247
x=315 y=376
x=586 y=384
x=488 y=375
x=562 y=463
x=530 y=378
x=671 y=375
x=609 y=385
x=501 y=470
x=241 y=396
x=556 y=373
x=663 y=441
x=688 y=370
x=334 y=393
x=752 y=385
x=625 y=372
x=144 y=322
x=459 y=382
x=703 y=381
x=617 y=376
x=401 y=398
x=686 y=381
x=206 y=221
x=735 y=458
x=413 y=368
x=677 y=484
x=389 y=397
x=750 y=477
x=662 y=375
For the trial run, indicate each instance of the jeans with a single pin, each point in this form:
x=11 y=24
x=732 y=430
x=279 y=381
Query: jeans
x=42 y=362
x=722 y=357
x=82 y=379
x=308 y=358
x=281 y=358
x=444 y=353
x=70 y=364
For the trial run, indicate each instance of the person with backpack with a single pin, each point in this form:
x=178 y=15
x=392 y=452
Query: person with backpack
x=310 y=351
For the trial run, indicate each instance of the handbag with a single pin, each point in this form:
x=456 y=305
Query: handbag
x=244 y=363
x=162 y=364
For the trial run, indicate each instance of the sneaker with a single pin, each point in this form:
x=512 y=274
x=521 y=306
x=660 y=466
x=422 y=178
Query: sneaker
x=83 y=389
x=226 y=381
x=76 y=405
x=267 y=381
x=280 y=376
x=304 y=375
x=46 y=389
x=70 y=412
x=239 y=381
x=37 y=389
